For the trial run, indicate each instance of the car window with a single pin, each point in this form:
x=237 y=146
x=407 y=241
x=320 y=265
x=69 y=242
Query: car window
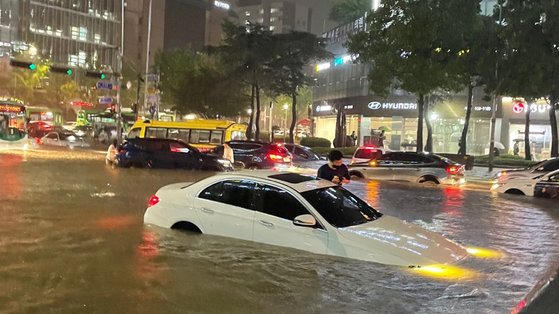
x=551 y=165
x=280 y=203
x=239 y=193
x=340 y=207
x=53 y=136
x=245 y=146
x=301 y=153
x=554 y=178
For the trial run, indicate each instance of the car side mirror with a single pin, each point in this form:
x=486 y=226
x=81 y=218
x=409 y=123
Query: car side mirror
x=304 y=221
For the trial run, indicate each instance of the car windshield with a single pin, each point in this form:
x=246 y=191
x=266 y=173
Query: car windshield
x=340 y=207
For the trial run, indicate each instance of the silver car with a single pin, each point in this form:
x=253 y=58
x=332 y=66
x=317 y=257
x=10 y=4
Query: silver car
x=66 y=138
x=425 y=168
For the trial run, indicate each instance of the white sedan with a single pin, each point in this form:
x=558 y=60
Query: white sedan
x=300 y=212
x=525 y=185
x=66 y=138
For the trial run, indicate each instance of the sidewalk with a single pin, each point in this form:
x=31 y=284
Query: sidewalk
x=481 y=174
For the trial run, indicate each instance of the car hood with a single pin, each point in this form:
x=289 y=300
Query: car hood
x=389 y=240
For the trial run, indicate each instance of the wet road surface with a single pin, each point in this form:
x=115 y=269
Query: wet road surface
x=72 y=240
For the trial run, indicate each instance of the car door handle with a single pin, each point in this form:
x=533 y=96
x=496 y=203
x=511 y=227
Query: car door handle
x=265 y=223
x=207 y=210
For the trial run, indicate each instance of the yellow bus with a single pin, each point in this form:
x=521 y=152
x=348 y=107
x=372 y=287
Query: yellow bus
x=203 y=134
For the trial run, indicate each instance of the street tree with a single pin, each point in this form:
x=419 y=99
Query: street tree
x=346 y=11
x=532 y=35
x=248 y=50
x=198 y=83
x=290 y=67
x=409 y=44
x=475 y=65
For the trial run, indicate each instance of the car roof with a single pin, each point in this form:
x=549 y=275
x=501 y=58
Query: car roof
x=299 y=182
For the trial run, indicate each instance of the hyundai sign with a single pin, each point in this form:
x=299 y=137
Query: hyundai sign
x=375 y=105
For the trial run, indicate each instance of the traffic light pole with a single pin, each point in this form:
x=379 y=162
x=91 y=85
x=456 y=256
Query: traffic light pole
x=119 y=79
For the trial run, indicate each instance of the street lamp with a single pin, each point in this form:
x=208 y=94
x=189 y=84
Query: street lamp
x=285 y=107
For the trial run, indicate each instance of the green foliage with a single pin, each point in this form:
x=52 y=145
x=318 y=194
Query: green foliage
x=346 y=11
x=316 y=142
x=199 y=83
x=412 y=45
x=504 y=161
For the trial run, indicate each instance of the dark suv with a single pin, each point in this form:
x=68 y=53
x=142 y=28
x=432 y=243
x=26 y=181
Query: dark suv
x=257 y=155
x=410 y=167
x=167 y=153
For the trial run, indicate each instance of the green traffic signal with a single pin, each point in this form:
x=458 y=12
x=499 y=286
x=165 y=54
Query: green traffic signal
x=69 y=72
x=103 y=76
x=33 y=67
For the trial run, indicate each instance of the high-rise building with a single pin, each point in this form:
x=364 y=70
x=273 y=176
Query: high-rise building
x=77 y=33
x=281 y=16
x=175 y=24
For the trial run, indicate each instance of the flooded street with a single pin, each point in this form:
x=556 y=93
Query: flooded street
x=72 y=240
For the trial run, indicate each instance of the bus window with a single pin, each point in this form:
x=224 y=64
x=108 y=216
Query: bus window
x=216 y=137
x=135 y=132
x=237 y=135
x=199 y=136
x=156 y=133
x=179 y=134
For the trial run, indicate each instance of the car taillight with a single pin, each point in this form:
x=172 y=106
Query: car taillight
x=153 y=200
x=453 y=170
x=275 y=157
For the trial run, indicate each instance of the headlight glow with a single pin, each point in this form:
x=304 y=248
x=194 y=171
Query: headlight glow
x=444 y=272
x=484 y=253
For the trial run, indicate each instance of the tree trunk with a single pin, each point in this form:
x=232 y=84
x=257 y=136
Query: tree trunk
x=257 y=118
x=429 y=144
x=527 y=131
x=420 y=103
x=293 y=115
x=251 y=119
x=462 y=144
x=553 y=122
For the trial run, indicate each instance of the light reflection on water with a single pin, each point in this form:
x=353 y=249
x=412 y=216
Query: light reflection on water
x=72 y=240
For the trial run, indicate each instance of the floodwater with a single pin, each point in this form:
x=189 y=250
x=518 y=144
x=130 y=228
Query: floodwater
x=72 y=240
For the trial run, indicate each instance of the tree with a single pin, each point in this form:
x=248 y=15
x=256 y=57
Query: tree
x=346 y=11
x=296 y=51
x=26 y=82
x=475 y=65
x=530 y=67
x=248 y=50
x=198 y=83
x=410 y=44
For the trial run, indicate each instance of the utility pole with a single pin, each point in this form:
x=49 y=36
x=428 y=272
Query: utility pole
x=119 y=79
x=147 y=59
x=494 y=109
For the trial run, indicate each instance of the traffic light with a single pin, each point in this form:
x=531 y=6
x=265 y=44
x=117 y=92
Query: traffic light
x=23 y=64
x=64 y=70
x=95 y=74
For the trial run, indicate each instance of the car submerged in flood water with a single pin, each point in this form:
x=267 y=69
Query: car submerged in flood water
x=297 y=211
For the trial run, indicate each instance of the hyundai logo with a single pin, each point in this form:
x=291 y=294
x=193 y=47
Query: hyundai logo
x=374 y=105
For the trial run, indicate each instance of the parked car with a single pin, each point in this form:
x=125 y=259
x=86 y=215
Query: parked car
x=302 y=153
x=422 y=168
x=167 y=153
x=257 y=155
x=540 y=185
x=39 y=128
x=366 y=154
x=64 y=138
x=297 y=211
x=543 y=167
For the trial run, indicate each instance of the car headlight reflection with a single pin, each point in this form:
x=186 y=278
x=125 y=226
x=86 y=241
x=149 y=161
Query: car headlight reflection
x=444 y=272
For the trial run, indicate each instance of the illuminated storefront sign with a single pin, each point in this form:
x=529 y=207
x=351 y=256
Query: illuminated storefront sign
x=328 y=108
x=375 y=105
x=222 y=5
x=519 y=107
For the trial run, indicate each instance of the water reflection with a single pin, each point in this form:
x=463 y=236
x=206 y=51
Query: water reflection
x=453 y=201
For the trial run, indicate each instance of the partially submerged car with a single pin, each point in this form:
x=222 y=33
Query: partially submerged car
x=297 y=211
x=540 y=185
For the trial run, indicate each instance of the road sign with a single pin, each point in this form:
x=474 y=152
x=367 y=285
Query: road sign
x=104 y=85
x=105 y=100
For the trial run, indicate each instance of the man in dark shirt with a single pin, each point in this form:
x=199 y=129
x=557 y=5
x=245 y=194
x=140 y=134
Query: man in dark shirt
x=334 y=170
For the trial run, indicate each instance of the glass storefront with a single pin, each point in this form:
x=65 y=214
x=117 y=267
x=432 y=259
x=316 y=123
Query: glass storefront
x=540 y=140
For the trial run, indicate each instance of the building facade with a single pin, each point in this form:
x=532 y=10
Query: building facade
x=78 y=33
x=280 y=16
x=342 y=84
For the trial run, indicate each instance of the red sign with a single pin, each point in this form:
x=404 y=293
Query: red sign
x=11 y=108
x=518 y=107
x=81 y=104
